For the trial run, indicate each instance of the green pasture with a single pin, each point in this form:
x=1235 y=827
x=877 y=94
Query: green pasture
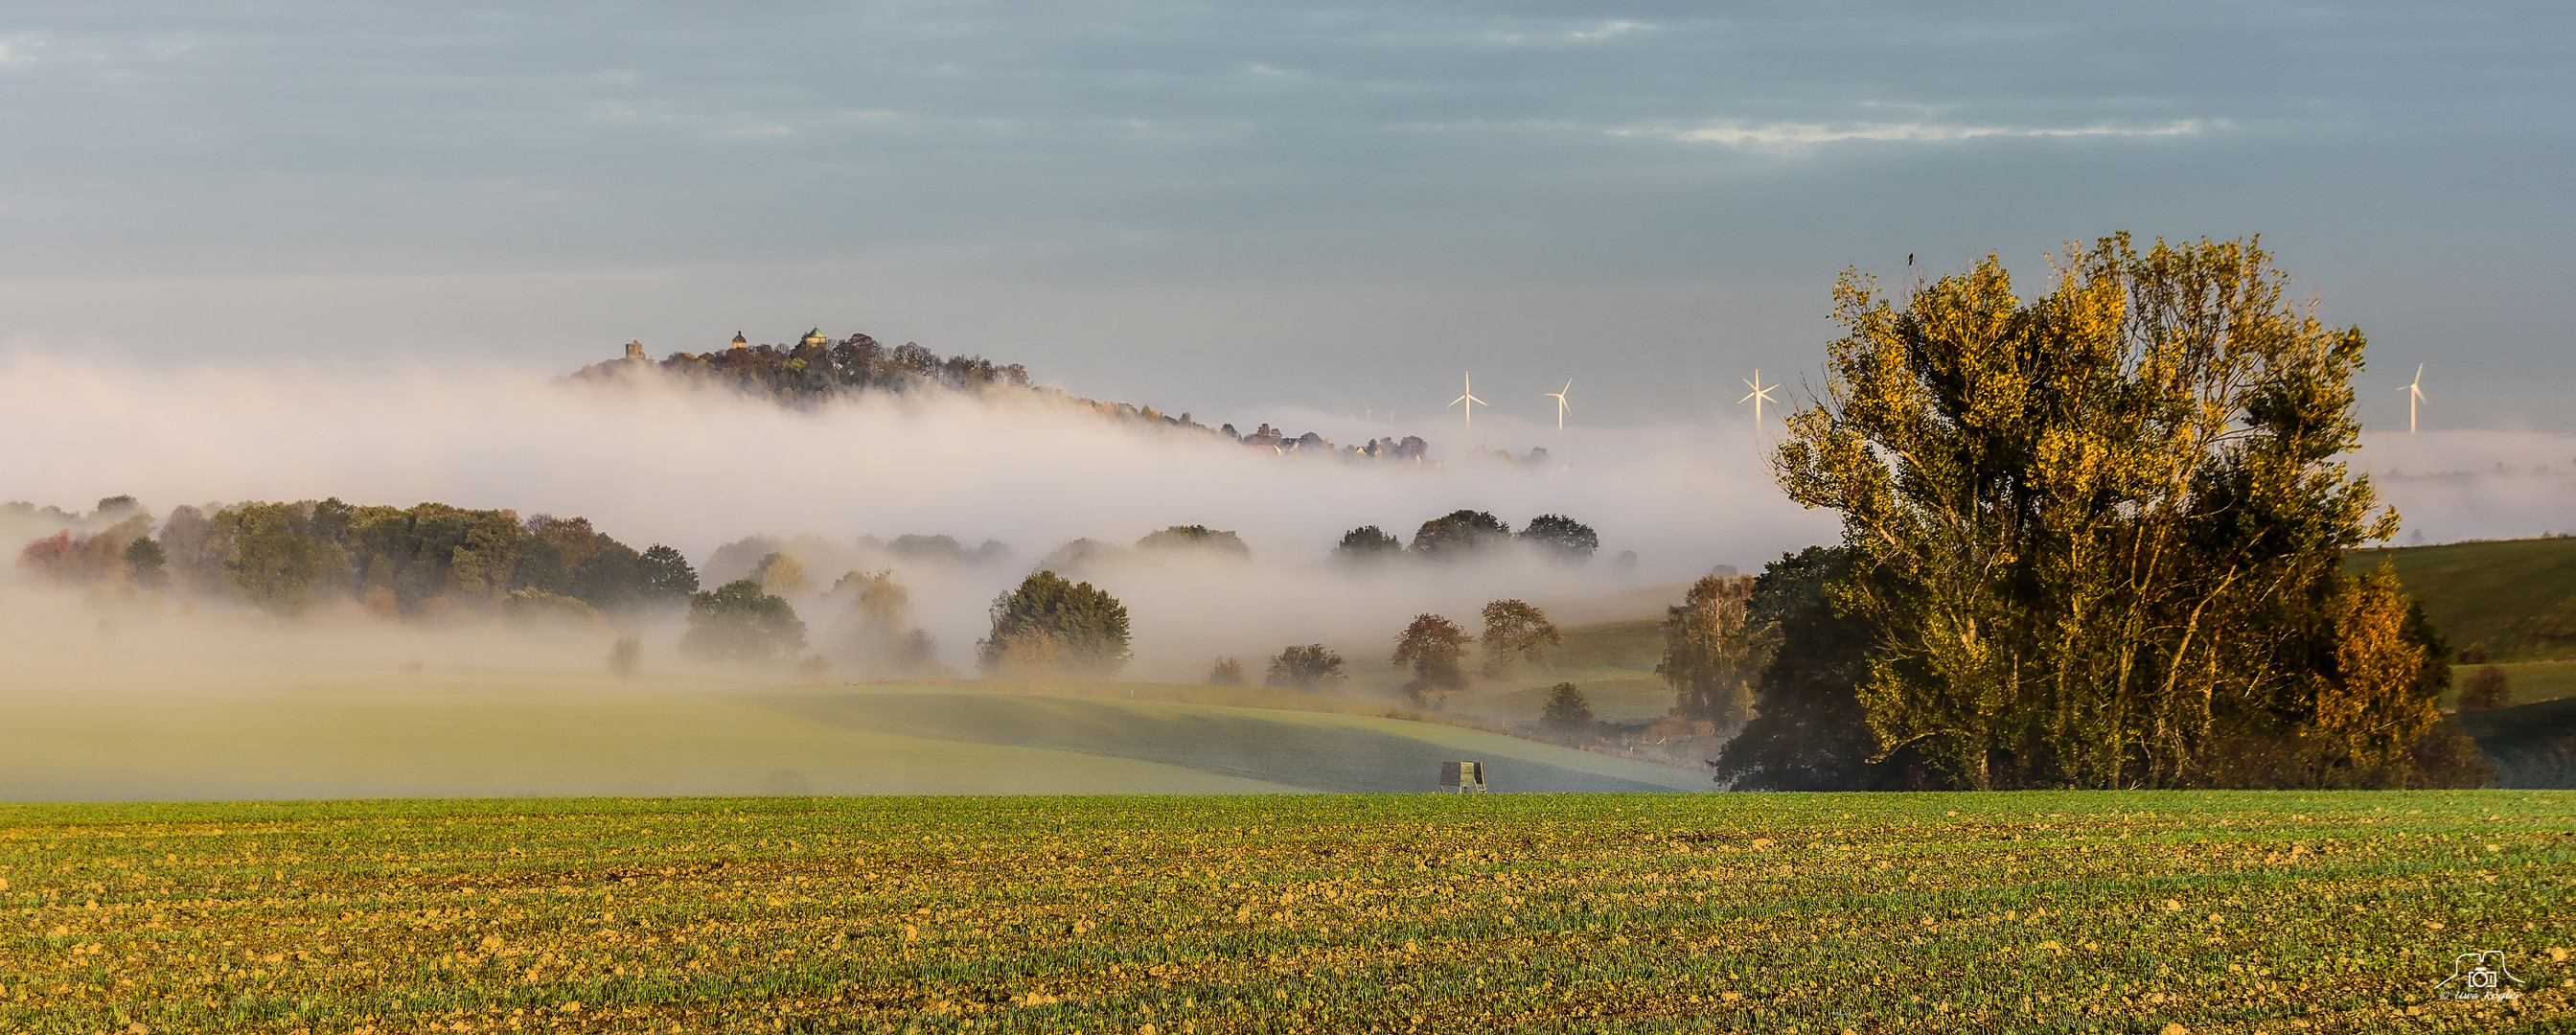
x=2008 y=912
x=2516 y=596
x=549 y=735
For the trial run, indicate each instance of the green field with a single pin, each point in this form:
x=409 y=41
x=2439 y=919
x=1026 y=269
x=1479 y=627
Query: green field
x=2052 y=912
x=538 y=733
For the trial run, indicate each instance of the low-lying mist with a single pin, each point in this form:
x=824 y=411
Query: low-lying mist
x=699 y=468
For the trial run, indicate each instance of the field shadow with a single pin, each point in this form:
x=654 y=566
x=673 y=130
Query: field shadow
x=1309 y=751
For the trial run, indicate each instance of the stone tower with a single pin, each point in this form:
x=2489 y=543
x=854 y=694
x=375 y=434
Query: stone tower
x=739 y=341
x=635 y=351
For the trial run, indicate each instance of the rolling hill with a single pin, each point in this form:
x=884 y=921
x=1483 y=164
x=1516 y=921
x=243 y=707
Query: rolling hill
x=2516 y=596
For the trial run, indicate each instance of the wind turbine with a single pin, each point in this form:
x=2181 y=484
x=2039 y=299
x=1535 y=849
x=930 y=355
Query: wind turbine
x=2414 y=394
x=1469 y=397
x=1561 y=407
x=1759 y=395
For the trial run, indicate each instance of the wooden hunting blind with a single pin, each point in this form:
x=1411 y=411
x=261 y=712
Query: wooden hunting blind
x=1465 y=776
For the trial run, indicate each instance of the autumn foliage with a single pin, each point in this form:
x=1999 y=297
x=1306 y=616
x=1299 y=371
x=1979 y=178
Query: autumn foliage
x=2100 y=532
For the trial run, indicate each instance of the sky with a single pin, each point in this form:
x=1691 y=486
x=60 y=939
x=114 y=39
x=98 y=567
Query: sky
x=1241 y=209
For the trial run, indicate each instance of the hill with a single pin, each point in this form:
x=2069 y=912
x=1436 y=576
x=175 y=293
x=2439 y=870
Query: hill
x=2516 y=596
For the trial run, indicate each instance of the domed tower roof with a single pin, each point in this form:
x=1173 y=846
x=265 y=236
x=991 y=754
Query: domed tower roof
x=815 y=337
x=739 y=341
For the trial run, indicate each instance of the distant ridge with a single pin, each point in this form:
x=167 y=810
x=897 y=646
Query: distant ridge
x=818 y=368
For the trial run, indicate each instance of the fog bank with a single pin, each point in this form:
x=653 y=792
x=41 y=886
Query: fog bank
x=697 y=468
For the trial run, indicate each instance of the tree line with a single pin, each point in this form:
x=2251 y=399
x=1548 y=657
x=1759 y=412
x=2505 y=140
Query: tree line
x=817 y=368
x=427 y=559
x=1465 y=533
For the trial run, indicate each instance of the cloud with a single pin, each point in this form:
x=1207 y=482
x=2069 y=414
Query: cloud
x=1803 y=137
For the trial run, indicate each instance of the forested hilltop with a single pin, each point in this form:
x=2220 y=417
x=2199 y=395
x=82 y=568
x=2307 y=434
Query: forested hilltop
x=818 y=368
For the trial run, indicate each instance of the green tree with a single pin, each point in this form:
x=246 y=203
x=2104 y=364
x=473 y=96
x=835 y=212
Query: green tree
x=1367 y=542
x=1199 y=537
x=1567 y=710
x=1459 y=533
x=1712 y=648
x=612 y=577
x=1514 y=629
x=1809 y=731
x=739 y=623
x=667 y=575
x=553 y=555
x=1226 y=672
x=1304 y=667
x=482 y=565
x=1561 y=536
x=1049 y=623
x=1433 y=646
x=144 y=561
x=269 y=556
x=2105 y=527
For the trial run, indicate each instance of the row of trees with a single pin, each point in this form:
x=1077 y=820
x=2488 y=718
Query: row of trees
x=1464 y=533
x=2095 y=539
x=288 y=557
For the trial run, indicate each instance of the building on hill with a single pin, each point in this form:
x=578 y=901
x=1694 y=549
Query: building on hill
x=740 y=342
x=815 y=337
x=635 y=351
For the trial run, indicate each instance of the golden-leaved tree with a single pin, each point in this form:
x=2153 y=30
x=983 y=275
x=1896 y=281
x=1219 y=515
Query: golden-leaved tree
x=2103 y=529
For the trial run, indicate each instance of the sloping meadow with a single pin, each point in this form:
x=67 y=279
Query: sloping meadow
x=1864 y=913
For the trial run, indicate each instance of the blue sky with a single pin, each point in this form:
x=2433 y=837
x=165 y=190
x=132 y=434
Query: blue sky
x=1226 y=208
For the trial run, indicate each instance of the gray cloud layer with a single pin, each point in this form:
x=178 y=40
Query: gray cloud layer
x=1212 y=207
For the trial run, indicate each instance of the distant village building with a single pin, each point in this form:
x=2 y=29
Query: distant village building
x=635 y=351
x=739 y=341
x=815 y=337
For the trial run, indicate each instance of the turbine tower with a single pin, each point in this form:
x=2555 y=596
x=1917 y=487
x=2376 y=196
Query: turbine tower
x=2414 y=394
x=1759 y=395
x=1469 y=397
x=1561 y=407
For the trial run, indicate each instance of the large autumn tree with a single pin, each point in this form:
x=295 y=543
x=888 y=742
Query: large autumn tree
x=2100 y=531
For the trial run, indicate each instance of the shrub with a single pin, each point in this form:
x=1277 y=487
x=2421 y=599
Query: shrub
x=2484 y=690
x=1304 y=667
